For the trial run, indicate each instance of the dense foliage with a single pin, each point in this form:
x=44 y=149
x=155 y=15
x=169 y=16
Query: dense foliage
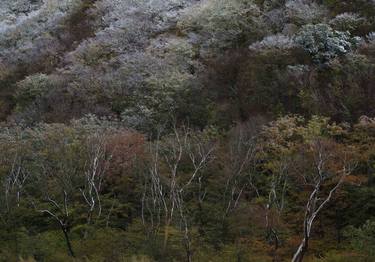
x=187 y=130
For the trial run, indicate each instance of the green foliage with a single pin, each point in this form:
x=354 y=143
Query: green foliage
x=362 y=239
x=31 y=89
x=337 y=256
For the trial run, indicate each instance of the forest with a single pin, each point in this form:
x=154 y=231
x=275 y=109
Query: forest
x=187 y=130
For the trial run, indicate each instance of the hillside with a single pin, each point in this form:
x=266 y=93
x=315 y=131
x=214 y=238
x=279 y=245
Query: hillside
x=187 y=130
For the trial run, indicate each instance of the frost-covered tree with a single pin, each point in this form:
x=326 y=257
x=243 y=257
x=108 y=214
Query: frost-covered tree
x=40 y=36
x=347 y=22
x=222 y=24
x=304 y=11
x=278 y=41
x=323 y=43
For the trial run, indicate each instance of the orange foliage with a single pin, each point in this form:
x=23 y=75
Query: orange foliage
x=125 y=148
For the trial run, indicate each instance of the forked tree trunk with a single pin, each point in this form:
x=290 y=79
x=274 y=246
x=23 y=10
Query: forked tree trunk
x=311 y=212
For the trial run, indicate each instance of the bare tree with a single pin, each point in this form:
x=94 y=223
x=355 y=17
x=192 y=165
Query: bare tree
x=97 y=165
x=54 y=197
x=275 y=201
x=166 y=187
x=325 y=170
x=15 y=181
x=60 y=213
x=242 y=150
x=245 y=151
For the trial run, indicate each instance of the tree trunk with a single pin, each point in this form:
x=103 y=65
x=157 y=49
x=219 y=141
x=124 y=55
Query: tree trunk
x=301 y=251
x=89 y=218
x=67 y=240
x=166 y=235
